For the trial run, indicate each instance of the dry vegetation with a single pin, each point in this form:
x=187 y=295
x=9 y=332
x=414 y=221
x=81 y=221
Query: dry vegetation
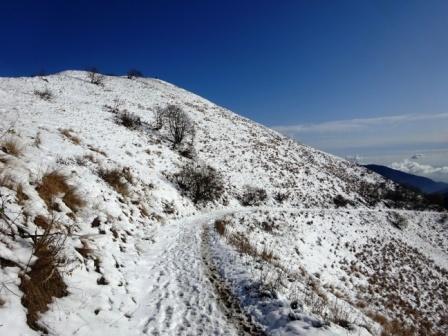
x=12 y=146
x=42 y=281
x=69 y=134
x=409 y=286
x=55 y=184
x=44 y=94
x=119 y=179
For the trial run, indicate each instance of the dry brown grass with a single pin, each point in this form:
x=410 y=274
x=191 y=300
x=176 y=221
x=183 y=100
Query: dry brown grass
x=68 y=133
x=21 y=197
x=73 y=199
x=42 y=281
x=118 y=179
x=86 y=251
x=220 y=226
x=54 y=184
x=42 y=222
x=12 y=146
x=241 y=244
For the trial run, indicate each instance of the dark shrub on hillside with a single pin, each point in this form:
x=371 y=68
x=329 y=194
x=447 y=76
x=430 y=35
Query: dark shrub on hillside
x=340 y=201
x=44 y=94
x=95 y=77
x=128 y=119
x=253 y=196
x=134 y=73
x=200 y=182
x=280 y=197
x=179 y=124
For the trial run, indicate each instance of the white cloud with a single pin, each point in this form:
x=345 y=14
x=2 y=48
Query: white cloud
x=413 y=167
x=412 y=130
x=359 y=123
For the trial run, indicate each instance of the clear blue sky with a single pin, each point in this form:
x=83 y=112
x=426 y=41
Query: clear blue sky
x=303 y=66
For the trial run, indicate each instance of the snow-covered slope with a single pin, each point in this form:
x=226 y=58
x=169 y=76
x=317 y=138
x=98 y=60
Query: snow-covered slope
x=139 y=257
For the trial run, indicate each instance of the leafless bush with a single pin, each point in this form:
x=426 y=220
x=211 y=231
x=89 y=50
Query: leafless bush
x=115 y=107
x=128 y=120
x=253 y=196
x=340 y=201
x=281 y=196
x=179 y=124
x=95 y=77
x=45 y=94
x=202 y=183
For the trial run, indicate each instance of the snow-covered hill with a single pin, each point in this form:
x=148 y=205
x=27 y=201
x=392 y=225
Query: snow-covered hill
x=98 y=238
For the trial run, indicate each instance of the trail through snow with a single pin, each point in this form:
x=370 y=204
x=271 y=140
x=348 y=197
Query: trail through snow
x=179 y=299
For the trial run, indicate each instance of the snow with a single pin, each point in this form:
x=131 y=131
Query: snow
x=156 y=264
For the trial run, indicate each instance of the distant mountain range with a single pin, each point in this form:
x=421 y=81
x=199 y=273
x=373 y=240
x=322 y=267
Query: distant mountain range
x=424 y=184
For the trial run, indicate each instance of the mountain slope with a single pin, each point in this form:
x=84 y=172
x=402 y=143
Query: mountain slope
x=423 y=184
x=135 y=255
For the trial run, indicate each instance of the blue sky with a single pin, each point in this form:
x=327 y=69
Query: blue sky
x=355 y=78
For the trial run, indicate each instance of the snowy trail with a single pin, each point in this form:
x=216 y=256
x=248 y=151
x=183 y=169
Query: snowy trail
x=179 y=299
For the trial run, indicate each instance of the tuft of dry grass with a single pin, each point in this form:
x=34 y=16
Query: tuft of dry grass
x=12 y=146
x=42 y=222
x=117 y=179
x=241 y=244
x=20 y=195
x=86 y=251
x=54 y=184
x=220 y=226
x=68 y=133
x=73 y=199
x=42 y=281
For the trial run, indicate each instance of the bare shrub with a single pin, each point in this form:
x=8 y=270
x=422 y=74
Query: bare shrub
x=115 y=107
x=253 y=196
x=12 y=146
x=95 y=77
x=117 y=179
x=202 y=183
x=134 y=73
x=68 y=133
x=45 y=94
x=128 y=120
x=340 y=201
x=54 y=184
x=280 y=197
x=179 y=124
x=43 y=281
